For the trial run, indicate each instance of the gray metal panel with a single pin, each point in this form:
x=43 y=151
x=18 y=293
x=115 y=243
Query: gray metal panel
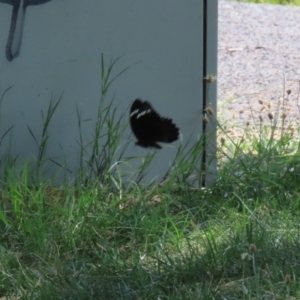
x=210 y=87
x=160 y=41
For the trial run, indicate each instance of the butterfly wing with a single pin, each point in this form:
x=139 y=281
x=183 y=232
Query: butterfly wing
x=149 y=127
x=170 y=132
x=145 y=123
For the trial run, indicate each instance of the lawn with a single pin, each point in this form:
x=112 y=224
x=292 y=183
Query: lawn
x=238 y=239
x=101 y=239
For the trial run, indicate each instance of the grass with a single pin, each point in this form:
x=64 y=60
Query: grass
x=103 y=239
x=282 y=2
x=239 y=238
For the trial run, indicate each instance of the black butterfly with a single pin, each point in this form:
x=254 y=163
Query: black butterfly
x=149 y=127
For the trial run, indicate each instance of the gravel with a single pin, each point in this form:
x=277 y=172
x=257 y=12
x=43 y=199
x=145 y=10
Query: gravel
x=258 y=60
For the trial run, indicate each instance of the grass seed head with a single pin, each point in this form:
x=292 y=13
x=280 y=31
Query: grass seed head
x=283 y=116
x=252 y=248
x=288 y=92
x=260 y=102
x=205 y=119
x=287 y=279
x=210 y=111
x=270 y=116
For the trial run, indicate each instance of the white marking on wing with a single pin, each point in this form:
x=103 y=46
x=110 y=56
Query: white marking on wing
x=144 y=113
x=134 y=112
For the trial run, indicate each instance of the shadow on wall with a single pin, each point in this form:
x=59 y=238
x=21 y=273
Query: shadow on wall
x=14 y=41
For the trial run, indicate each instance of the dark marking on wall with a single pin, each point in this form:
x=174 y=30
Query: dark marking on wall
x=14 y=41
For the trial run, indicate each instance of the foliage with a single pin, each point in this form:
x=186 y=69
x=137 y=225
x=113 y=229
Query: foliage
x=238 y=239
x=282 y=2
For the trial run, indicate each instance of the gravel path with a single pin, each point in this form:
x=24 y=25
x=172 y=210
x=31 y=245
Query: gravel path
x=259 y=60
